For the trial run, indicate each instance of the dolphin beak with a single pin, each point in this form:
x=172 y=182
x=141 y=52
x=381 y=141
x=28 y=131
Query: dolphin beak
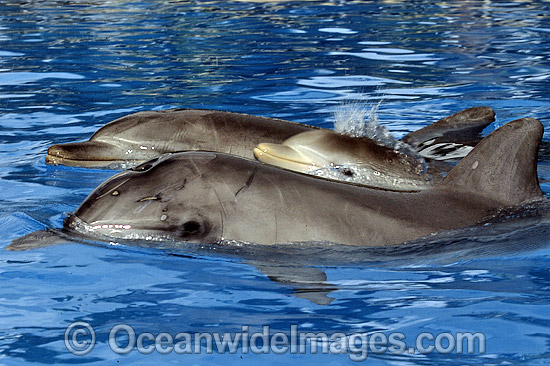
x=90 y=154
x=284 y=157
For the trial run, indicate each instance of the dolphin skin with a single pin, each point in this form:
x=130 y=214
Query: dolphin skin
x=208 y=197
x=138 y=137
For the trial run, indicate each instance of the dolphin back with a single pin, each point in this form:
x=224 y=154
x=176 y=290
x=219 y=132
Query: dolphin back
x=503 y=166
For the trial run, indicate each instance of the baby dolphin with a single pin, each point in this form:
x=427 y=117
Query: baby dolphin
x=359 y=160
x=208 y=197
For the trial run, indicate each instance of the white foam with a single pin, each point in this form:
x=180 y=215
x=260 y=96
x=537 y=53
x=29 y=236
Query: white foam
x=356 y=120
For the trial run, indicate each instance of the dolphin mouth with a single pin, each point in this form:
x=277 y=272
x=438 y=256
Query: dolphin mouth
x=89 y=154
x=286 y=157
x=124 y=232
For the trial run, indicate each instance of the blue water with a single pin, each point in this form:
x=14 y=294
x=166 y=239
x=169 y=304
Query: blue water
x=67 y=68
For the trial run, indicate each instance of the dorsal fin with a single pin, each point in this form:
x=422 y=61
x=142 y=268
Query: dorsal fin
x=503 y=166
x=462 y=127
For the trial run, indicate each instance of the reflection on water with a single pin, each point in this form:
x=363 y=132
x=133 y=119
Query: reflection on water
x=210 y=53
x=68 y=67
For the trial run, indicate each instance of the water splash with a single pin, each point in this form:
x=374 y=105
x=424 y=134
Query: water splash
x=357 y=120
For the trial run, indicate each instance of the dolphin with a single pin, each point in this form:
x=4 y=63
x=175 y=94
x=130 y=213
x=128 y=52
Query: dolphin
x=330 y=155
x=138 y=137
x=135 y=138
x=210 y=197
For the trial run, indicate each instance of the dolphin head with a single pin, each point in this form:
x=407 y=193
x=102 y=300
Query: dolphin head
x=162 y=199
x=119 y=144
x=353 y=159
x=128 y=141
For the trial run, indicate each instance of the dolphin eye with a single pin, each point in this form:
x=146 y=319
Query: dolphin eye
x=191 y=228
x=347 y=172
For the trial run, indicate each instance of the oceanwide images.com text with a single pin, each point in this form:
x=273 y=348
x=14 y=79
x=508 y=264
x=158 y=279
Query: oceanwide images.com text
x=80 y=339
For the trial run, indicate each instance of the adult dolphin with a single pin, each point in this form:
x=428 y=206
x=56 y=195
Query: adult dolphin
x=138 y=137
x=207 y=197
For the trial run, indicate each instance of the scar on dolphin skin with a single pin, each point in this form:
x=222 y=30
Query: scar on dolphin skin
x=113 y=191
x=151 y=198
x=248 y=181
x=182 y=186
